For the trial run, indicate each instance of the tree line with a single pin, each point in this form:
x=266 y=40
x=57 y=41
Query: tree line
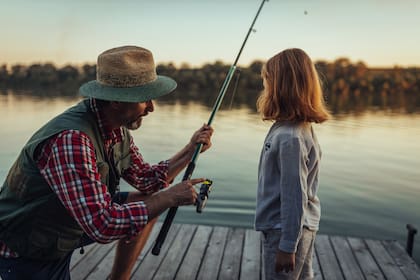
x=347 y=86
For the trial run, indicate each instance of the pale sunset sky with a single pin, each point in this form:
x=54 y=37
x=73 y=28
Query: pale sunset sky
x=381 y=33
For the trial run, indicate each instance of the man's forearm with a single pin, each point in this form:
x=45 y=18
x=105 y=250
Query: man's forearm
x=157 y=203
x=180 y=194
x=180 y=161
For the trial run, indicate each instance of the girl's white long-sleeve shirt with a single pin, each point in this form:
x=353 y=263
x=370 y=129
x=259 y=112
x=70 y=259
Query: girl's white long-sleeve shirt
x=288 y=182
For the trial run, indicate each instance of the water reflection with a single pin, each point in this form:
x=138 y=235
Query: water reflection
x=339 y=103
x=345 y=103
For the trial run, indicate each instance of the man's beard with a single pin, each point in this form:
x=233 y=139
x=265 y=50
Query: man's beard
x=133 y=125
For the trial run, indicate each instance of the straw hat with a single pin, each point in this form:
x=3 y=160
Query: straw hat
x=127 y=74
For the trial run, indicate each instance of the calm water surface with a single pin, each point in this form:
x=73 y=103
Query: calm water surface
x=370 y=171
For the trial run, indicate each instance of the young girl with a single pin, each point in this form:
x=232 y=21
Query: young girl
x=288 y=209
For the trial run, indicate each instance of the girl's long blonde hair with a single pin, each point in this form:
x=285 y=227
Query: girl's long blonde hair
x=292 y=89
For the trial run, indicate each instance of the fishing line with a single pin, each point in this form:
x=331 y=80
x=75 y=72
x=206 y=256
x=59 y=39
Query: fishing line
x=238 y=74
x=191 y=166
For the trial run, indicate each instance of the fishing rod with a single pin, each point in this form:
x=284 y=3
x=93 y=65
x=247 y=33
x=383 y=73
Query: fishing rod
x=191 y=166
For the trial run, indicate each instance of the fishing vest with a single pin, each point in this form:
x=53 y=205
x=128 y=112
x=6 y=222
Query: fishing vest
x=33 y=221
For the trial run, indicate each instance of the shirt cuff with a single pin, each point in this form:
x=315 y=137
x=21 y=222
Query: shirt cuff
x=288 y=246
x=138 y=222
x=163 y=176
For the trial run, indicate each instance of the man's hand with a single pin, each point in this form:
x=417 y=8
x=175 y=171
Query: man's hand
x=285 y=261
x=202 y=136
x=182 y=193
x=181 y=159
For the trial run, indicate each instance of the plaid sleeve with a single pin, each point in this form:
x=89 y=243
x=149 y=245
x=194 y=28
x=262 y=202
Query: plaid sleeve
x=68 y=164
x=143 y=176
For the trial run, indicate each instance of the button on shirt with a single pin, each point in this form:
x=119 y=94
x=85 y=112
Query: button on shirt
x=67 y=162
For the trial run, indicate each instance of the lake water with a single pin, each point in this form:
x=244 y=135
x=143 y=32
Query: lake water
x=370 y=171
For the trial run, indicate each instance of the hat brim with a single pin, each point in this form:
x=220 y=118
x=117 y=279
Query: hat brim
x=159 y=87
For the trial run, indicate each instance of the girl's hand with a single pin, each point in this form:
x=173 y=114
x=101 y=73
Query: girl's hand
x=285 y=261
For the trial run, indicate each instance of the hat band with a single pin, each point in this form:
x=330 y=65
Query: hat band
x=126 y=81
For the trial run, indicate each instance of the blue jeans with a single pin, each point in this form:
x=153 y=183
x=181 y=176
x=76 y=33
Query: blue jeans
x=23 y=268
x=303 y=258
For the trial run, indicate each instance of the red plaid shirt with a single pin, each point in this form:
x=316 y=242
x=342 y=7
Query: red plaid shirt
x=68 y=163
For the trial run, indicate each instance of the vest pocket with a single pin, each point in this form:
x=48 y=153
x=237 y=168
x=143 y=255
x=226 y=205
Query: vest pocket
x=48 y=245
x=40 y=240
x=66 y=245
x=40 y=246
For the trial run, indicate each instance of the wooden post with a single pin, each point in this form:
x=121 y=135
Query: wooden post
x=410 y=239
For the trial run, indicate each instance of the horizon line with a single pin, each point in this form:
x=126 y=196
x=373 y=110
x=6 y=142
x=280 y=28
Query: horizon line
x=199 y=65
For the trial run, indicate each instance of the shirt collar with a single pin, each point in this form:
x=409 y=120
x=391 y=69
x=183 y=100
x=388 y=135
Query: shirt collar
x=109 y=134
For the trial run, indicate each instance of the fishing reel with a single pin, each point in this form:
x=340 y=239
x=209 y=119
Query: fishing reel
x=203 y=195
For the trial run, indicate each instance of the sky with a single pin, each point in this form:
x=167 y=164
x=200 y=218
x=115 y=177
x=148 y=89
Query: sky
x=380 y=33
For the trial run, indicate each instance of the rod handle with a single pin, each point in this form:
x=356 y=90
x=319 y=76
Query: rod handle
x=171 y=214
x=164 y=231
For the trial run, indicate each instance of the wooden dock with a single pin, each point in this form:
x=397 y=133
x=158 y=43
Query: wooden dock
x=214 y=252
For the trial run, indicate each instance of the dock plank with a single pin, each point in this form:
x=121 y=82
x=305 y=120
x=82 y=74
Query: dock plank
x=231 y=262
x=251 y=257
x=103 y=269
x=151 y=263
x=149 y=244
x=367 y=263
x=174 y=257
x=345 y=257
x=213 y=257
x=91 y=261
x=192 y=260
x=384 y=260
x=326 y=259
x=316 y=268
x=76 y=257
x=406 y=264
x=215 y=252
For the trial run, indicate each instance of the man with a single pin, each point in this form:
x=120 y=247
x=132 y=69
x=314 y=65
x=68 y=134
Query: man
x=62 y=192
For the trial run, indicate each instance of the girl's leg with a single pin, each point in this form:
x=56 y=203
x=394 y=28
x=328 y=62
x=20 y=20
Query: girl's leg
x=271 y=239
x=307 y=269
x=303 y=265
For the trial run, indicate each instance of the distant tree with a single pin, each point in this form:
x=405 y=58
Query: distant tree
x=256 y=66
x=4 y=75
x=42 y=75
x=18 y=74
x=89 y=72
x=347 y=86
x=67 y=73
